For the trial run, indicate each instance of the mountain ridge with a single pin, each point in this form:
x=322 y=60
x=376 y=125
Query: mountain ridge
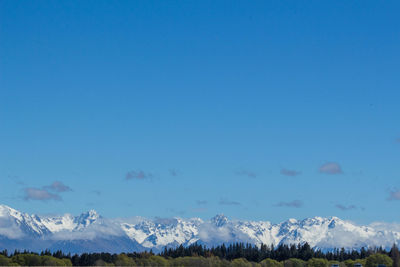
x=90 y=232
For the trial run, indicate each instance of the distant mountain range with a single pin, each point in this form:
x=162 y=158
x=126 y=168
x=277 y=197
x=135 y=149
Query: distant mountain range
x=90 y=232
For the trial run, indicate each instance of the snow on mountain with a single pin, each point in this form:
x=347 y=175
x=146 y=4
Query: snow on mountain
x=163 y=232
x=21 y=223
x=57 y=224
x=87 y=218
x=89 y=232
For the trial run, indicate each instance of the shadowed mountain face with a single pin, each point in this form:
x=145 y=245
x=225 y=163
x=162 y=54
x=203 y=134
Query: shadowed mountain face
x=90 y=232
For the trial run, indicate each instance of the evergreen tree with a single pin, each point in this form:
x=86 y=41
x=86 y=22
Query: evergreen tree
x=395 y=255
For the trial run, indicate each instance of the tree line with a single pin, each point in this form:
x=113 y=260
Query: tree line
x=236 y=254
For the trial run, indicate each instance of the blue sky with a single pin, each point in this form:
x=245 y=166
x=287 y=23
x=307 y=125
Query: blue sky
x=263 y=110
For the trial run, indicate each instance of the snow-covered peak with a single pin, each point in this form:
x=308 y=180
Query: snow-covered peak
x=7 y=211
x=86 y=219
x=4 y=208
x=219 y=220
x=58 y=224
x=22 y=223
x=141 y=233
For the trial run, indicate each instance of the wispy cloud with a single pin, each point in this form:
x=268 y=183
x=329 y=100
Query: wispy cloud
x=96 y=192
x=9 y=228
x=16 y=179
x=59 y=187
x=287 y=172
x=330 y=168
x=394 y=195
x=138 y=175
x=173 y=172
x=247 y=173
x=96 y=230
x=45 y=193
x=345 y=208
x=292 y=204
x=32 y=193
x=224 y=201
x=201 y=202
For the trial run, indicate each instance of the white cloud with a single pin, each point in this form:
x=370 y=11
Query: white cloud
x=32 y=193
x=139 y=175
x=10 y=229
x=58 y=186
x=247 y=173
x=46 y=192
x=346 y=207
x=394 y=195
x=292 y=204
x=224 y=201
x=330 y=168
x=287 y=172
x=99 y=229
x=384 y=226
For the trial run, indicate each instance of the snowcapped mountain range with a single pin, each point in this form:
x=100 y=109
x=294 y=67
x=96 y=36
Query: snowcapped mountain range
x=90 y=232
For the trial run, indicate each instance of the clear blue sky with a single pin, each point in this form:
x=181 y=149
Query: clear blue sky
x=263 y=110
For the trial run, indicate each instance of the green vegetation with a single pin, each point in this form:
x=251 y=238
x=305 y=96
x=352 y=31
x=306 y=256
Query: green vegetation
x=377 y=259
x=30 y=259
x=196 y=255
